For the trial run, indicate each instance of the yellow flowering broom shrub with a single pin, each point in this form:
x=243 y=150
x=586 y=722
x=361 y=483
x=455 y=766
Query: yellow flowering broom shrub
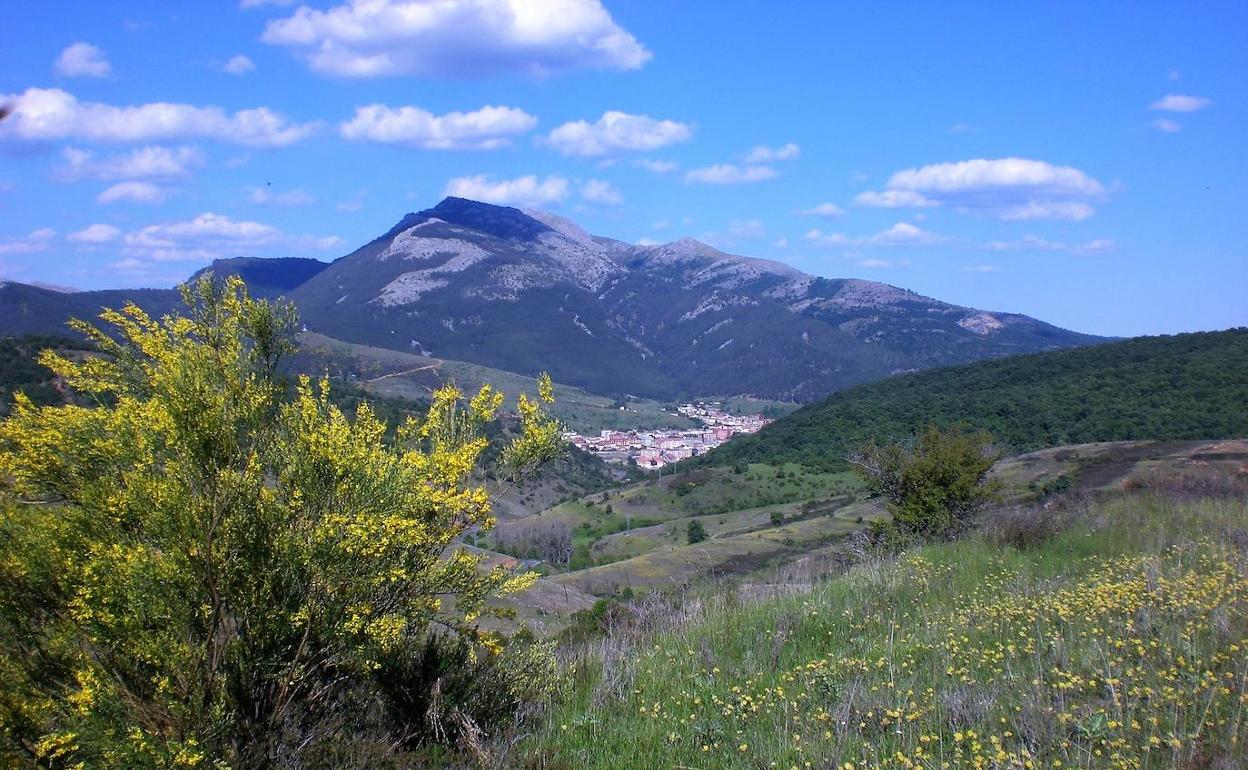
x=206 y=569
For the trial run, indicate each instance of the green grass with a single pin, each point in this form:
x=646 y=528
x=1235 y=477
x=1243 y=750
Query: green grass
x=633 y=521
x=1122 y=642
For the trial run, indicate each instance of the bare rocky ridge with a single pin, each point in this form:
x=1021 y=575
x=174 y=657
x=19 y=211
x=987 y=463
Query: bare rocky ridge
x=532 y=291
x=525 y=290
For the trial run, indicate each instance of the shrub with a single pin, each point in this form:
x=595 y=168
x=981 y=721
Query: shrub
x=696 y=533
x=935 y=485
x=219 y=566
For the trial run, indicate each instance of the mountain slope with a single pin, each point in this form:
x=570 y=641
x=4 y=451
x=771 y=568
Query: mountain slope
x=531 y=291
x=267 y=277
x=526 y=291
x=27 y=309
x=1186 y=386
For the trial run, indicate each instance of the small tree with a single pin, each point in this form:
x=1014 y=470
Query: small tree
x=209 y=569
x=696 y=533
x=936 y=484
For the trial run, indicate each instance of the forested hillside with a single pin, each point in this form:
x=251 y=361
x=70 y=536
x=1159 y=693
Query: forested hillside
x=1185 y=386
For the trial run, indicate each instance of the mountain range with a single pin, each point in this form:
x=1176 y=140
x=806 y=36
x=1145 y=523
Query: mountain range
x=528 y=291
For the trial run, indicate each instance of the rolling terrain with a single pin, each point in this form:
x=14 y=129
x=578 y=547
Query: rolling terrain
x=1185 y=386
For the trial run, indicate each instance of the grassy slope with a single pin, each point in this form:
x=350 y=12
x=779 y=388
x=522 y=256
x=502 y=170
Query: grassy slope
x=407 y=375
x=1187 y=386
x=654 y=515
x=1121 y=642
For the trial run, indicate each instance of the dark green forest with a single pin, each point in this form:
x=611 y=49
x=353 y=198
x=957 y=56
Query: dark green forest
x=1185 y=386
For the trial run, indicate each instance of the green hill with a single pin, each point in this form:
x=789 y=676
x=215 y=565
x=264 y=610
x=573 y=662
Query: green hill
x=1186 y=386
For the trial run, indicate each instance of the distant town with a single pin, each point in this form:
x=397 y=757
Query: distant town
x=655 y=449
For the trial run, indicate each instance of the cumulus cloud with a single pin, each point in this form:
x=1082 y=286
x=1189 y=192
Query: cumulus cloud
x=730 y=173
x=820 y=238
x=616 y=132
x=485 y=129
x=747 y=228
x=457 y=38
x=264 y=195
x=1168 y=126
x=1042 y=209
x=657 y=166
x=151 y=162
x=522 y=191
x=95 y=234
x=51 y=114
x=598 y=191
x=238 y=65
x=212 y=236
x=825 y=210
x=1007 y=188
x=903 y=234
x=1180 y=103
x=764 y=154
x=82 y=60
x=893 y=199
x=1035 y=243
x=900 y=234
x=134 y=192
x=36 y=240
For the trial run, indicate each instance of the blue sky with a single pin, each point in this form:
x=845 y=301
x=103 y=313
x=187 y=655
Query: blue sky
x=1084 y=163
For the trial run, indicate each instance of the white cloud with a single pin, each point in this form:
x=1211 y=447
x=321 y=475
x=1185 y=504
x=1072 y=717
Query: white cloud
x=95 y=234
x=151 y=162
x=248 y=4
x=1004 y=173
x=893 y=199
x=349 y=207
x=1041 y=209
x=825 y=210
x=1180 y=103
x=657 y=166
x=819 y=237
x=36 y=240
x=135 y=192
x=616 y=132
x=51 y=114
x=238 y=65
x=522 y=191
x=212 y=236
x=963 y=128
x=1035 y=243
x=980 y=269
x=782 y=242
x=457 y=38
x=263 y=196
x=1007 y=188
x=647 y=242
x=903 y=234
x=729 y=173
x=485 y=129
x=747 y=228
x=764 y=154
x=875 y=263
x=598 y=191
x=82 y=60
x=1166 y=125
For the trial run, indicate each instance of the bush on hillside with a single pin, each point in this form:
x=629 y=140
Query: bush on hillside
x=935 y=485
x=696 y=532
x=208 y=569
